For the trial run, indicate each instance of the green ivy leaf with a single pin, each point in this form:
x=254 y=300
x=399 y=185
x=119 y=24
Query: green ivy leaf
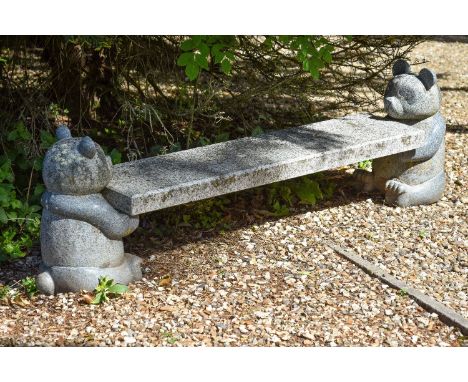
x=216 y=51
x=257 y=131
x=327 y=57
x=47 y=139
x=186 y=58
x=118 y=289
x=222 y=137
x=226 y=66
x=314 y=72
x=38 y=190
x=187 y=45
x=309 y=191
x=116 y=156
x=98 y=298
x=24 y=134
x=204 y=50
x=16 y=204
x=3 y=216
x=12 y=135
x=34 y=208
x=202 y=61
x=192 y=70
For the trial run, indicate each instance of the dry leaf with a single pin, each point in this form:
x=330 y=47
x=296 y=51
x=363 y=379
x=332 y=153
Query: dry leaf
x=165 y=281
x=86 y=298
x=19 y=300
x=168 y=308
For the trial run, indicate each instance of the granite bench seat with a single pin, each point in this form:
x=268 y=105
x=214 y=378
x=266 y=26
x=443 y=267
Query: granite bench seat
x=159 y=182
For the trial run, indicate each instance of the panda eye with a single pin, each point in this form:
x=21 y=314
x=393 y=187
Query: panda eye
x=408 y=94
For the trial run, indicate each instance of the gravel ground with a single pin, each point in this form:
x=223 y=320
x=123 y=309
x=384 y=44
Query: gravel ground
x=275 y=282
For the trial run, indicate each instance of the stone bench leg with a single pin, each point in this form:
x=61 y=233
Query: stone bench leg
x=81 y=233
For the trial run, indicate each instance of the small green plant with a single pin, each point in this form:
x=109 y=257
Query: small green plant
x=422 y=233
x=169 y=337
x=114 y=154
x=107 y=288
x=403 y=293
x=5 y=291
x=29 y=286
x=257 y=131
x=365 y=164
x=56 y=111
x=370 y=236
x=304 y=190
x=207 y=214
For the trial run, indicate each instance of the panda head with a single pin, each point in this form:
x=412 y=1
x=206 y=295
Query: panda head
x=411 y=96
x=75 y=166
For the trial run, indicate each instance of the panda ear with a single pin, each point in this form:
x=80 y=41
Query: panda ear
x=428 y=78
x=87 y=148
x=62 y=132
x=401 y=67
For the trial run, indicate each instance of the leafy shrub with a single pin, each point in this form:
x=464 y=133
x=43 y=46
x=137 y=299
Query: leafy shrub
x=20 y=191
x=201 y=51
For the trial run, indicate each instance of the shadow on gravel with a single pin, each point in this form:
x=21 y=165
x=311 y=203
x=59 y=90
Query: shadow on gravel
x=454 y=88
x=459 y=129
x=146 y=244
x=449 y=38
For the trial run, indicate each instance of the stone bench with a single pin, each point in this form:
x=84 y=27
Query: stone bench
x=90 y=205
x=168 y=180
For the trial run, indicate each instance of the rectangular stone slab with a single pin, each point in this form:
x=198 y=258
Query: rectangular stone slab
x=163 y=181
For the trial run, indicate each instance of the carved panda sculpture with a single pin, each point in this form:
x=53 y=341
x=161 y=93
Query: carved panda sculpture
x=81 y=233
x=414 y=177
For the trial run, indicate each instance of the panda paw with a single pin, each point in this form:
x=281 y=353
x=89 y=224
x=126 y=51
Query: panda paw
x=397 y=193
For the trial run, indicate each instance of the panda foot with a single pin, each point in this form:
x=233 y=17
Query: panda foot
x=397 y=193
x=363 y=180
x=45 y=283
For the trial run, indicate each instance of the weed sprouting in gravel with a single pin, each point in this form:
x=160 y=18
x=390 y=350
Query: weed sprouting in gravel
x=107 y=288
x=29 y=286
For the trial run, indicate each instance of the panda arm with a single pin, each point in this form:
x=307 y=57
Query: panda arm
x=92 y=209
x=435 y=139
